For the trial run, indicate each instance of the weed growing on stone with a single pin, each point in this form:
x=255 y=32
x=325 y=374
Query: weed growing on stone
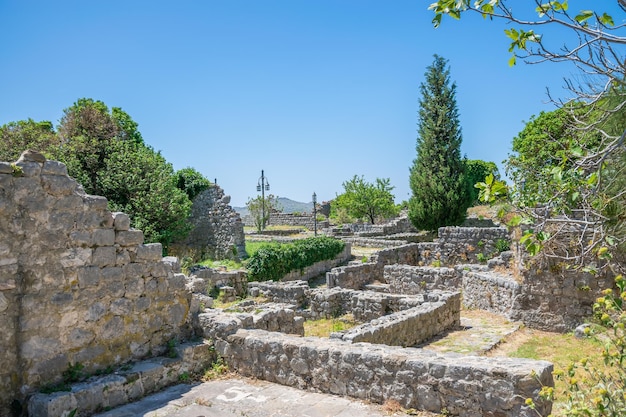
x=218 y=369
x=184 y=377
x=73 y=373
x=171 y=348
x=502 y=245
x=480 y=257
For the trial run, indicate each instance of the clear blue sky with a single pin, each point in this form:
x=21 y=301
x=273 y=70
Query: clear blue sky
x=313 y=92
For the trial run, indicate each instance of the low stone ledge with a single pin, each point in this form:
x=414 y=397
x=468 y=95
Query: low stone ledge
x=122 y=387
x=409 y=327
x=466 y=386
x=490 y=292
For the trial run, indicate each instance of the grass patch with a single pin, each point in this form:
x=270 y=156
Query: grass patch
x=253 y=246
x=324 y=327
x=561 y=350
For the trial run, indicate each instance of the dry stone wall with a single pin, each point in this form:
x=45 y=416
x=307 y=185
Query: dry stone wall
x=459 y=245
x=357 y=275
x=217 y=229
x=409 y=327
x=290 y=219
x=77 y=284
x=464 y=385
x=407 y=279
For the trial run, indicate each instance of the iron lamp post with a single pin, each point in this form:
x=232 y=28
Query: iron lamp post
x=314 y=213
x=263 y=185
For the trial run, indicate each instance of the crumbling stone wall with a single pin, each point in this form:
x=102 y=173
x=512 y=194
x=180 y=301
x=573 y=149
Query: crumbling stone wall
x=291 y=219
x=466 y=386
x=407 y=279
x=77 y=284
x=357 y=275
x=458 y=245
x=409 y=327
x=217 y=229
x=489 y=292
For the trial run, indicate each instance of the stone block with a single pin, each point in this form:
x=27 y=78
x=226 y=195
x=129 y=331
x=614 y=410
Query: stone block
x=121 y=307
x=150 y=252
x=103 y=237
x=121 y=221
x=72 y=203
x=29 y=169
x=54 y=168
x=80 y=238
x=95 y=202
x=129 y=237
x=58 y=185
x=76 y=257
x=122 y=257
x=134 y=287
x=6 y=168
x=95 y=312
x=173 y=262
x=88 y=277
x=104 y=256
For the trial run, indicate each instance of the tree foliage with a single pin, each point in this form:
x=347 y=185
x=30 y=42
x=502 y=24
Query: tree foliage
x=440 y=194
x=476 y=171
x=260 y=209
x=191 y=182
x=16 y=137
x=105 y=152
x=582 y=222
x=362 y=199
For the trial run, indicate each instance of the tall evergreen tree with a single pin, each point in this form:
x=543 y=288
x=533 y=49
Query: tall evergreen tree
x=440 y=196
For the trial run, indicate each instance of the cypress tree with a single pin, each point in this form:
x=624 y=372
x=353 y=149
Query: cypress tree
x=437 y=178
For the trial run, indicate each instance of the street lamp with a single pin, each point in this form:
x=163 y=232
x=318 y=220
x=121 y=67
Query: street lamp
x=263 y=185
x=314 y=213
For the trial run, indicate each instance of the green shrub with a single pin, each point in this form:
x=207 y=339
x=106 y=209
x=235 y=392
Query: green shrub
x=273 y=261
x=502 y=245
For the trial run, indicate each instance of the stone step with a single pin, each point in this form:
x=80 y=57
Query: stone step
x=100 y=393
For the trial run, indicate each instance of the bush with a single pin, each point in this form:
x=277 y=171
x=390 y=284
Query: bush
x=273 y=261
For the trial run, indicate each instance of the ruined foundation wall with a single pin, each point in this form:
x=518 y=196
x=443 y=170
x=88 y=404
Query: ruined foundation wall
x=77 y=284
x=217 y=229
x=465 y=385
x=409 y=327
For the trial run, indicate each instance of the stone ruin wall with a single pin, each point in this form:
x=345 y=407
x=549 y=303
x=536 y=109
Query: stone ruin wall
x=356 y=275
x=290 y=219
x=461 y=245
x=551 y=298
x=77 y=284
x=467 y=386
x=217 y=229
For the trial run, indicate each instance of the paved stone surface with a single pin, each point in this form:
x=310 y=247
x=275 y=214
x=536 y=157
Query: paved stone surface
x=480 y=332
x=243 y=397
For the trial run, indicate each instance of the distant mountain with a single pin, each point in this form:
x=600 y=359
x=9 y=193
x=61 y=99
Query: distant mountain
x=287 y=205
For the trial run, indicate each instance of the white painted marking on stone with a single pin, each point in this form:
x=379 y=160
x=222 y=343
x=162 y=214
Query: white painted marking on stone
x=240 y=394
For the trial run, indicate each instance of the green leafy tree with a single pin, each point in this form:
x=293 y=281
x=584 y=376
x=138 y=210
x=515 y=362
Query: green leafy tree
x=440 y=195
x=491 y=190
x=476 y=171
x=362 y=199
x=140 y=182
x=260 y=209
x=585 y=205
x=191 y=182
x=546 y=142
x=16 y=137
x=106 y=153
